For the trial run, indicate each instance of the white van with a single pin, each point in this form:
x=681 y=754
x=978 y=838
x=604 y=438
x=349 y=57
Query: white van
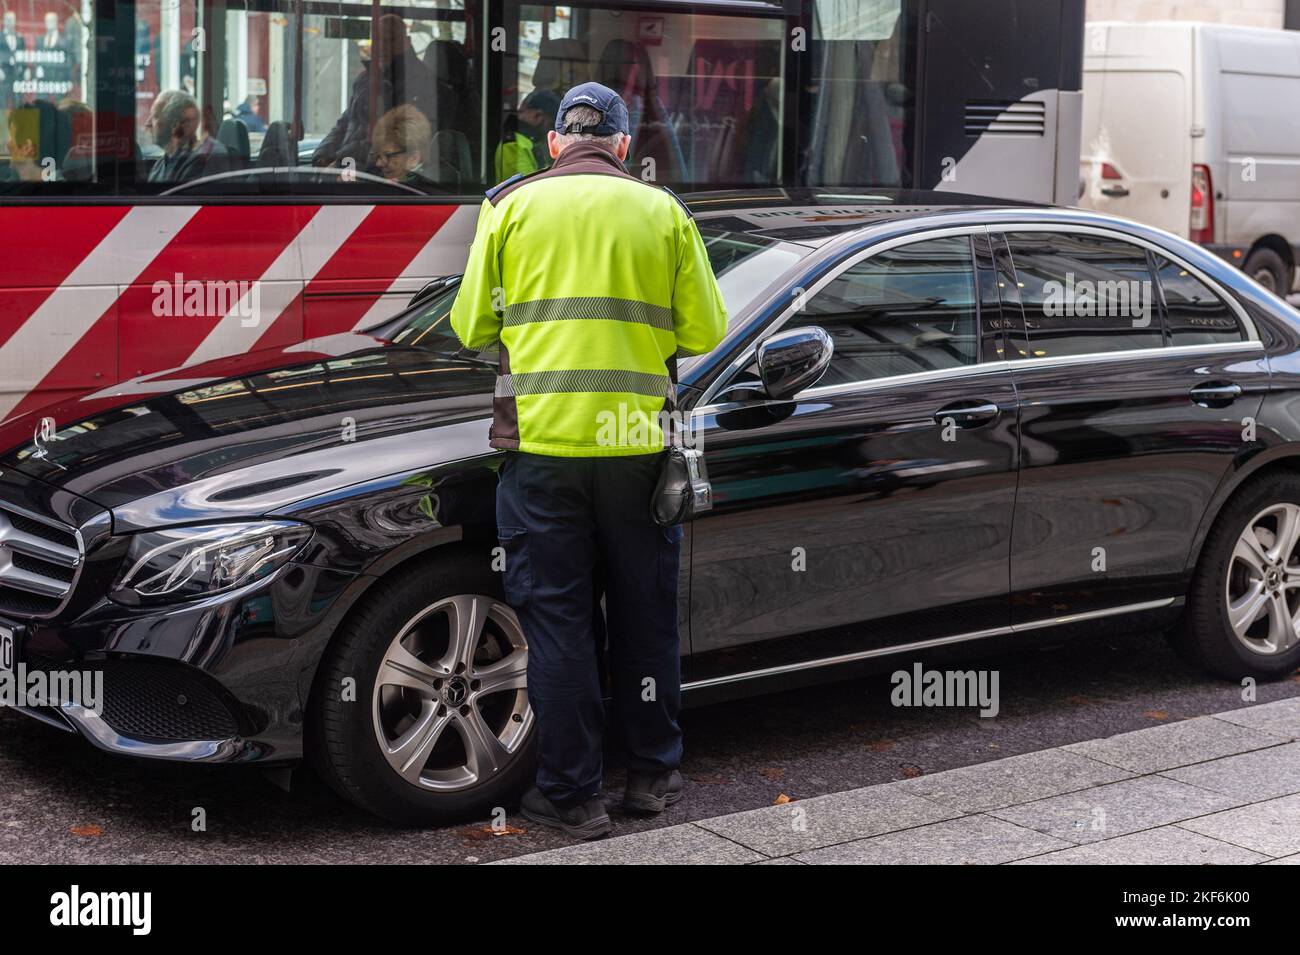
x=1195 y=128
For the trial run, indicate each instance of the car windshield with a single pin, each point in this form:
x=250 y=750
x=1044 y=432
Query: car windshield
x=744 y=264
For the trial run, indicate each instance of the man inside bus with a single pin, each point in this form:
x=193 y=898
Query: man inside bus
x=402 y=79
x=174 y=124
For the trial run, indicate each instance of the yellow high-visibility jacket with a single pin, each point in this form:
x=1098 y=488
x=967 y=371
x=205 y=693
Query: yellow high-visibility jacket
x=593 y=282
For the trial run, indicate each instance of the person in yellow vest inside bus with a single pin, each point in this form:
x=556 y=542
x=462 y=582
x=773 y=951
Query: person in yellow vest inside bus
x=593 y=283
x=523 y=148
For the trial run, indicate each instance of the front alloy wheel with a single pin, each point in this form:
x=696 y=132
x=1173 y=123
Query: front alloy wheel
x=420 y=708
x=450 y=704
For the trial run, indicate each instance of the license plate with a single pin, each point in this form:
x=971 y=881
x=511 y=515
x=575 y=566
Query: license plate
x=8 y=652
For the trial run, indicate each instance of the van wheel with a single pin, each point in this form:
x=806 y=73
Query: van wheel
x=1267 y=268
x=1242 y=617
x=437 y=727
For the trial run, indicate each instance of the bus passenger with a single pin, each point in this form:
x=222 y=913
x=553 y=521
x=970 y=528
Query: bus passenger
x=403 y=140
x=174 y=124
x=402 y=78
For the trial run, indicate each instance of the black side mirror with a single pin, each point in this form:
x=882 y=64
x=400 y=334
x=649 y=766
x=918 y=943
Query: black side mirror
x=793 y=360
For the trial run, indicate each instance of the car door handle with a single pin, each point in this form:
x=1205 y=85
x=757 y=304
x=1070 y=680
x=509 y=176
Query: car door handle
x=1118 y=192
x=967 y=414
x=1216 y=394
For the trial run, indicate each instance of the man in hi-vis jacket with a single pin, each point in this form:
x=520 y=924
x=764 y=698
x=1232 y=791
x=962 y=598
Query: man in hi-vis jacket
x=593 y=282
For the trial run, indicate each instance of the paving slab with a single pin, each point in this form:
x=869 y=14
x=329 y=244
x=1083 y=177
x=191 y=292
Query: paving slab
x=826 y=820
x=1158 y=748
x=1271 y=827
x=1262 y=774
x=1017 y=779
x=1117 y=809
x=1281 y=717
x=969 y=840
x=1168 y=845
x=686 y=844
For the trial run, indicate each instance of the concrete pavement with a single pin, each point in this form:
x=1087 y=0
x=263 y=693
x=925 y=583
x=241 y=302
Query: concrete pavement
x=1222 y=789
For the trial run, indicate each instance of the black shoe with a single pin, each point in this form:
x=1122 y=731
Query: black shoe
x=588 y=821
x=649 y=794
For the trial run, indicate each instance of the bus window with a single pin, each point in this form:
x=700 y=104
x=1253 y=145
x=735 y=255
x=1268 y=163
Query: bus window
x=861 y=95
x=47 y=122
x=703 y=92
x=376 y=102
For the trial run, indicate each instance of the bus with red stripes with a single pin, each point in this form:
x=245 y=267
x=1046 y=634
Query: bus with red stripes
x=189 y=179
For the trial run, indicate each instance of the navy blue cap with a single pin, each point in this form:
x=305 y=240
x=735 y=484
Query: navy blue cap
x=601 y=98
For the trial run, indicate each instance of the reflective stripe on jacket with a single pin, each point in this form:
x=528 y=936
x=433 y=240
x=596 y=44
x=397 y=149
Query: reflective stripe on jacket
x=593 y=282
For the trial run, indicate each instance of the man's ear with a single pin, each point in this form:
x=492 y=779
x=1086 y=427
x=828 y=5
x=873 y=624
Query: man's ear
x=553 y=143
x=621 y=151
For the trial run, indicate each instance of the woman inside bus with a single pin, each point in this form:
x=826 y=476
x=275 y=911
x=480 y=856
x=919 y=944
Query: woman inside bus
x=403 y=140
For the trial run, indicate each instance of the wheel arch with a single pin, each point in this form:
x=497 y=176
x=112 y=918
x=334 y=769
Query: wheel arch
x=1284 y=459
x=446 y=543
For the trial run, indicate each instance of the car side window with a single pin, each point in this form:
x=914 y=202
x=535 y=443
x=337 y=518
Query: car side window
x=1084 y=294
x=904 y=310
x=1194 y=315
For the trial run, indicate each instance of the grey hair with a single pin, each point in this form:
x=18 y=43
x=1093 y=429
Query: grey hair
x=172 y=107
x=587 y=116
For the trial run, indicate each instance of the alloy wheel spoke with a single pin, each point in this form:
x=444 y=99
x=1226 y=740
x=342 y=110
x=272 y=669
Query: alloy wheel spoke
x=467 y=617
x=483 y=750
x=1282 y=629
x=403 y=668
x=1288 y=534
x=1251 y=552
x=1246 y=610
x=510 y=673
x=410 y=751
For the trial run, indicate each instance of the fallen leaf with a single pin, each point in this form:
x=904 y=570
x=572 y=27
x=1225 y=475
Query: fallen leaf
x=911 y=772
x=509 y=831
x=772 y=772
x=87 y=829
x=781 y=800
x=1156 y=715
x=880 y=745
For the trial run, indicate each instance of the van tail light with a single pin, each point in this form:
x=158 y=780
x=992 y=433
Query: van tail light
x=1109 y=172
x=1202 y=218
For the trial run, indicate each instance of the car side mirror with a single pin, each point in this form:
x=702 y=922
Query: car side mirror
x=792 y=360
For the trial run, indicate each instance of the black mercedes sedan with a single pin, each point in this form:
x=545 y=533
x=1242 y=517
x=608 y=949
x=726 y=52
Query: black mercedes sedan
x=934 y=422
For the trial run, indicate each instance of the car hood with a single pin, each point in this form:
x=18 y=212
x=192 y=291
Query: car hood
x=250 y=434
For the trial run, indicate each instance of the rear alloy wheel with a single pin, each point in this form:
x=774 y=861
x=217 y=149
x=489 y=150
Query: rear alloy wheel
x=1243 y=609
x=438 y=727
x=1262 y=586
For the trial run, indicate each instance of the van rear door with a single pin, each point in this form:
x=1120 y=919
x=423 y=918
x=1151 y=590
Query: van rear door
x=1137 y=151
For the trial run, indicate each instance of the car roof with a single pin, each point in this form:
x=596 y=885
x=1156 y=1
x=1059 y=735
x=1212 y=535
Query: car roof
x=812 y=217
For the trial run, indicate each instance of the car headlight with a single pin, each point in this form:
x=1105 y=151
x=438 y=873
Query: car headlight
x=180 y=563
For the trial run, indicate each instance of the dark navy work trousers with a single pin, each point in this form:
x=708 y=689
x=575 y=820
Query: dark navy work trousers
x=569 y=527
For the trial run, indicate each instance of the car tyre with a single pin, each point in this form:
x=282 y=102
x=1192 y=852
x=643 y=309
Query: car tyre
x=1267 y=268
x=1243 y=565
x=412 y=742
